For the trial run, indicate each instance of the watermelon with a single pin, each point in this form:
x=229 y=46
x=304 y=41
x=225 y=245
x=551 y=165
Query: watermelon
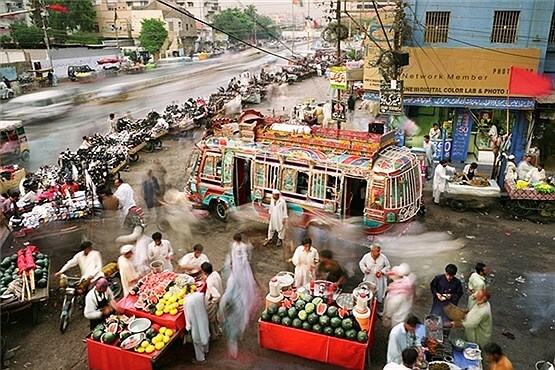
x=151 y=333
x=40 y=256
x=306 y=325
x=287 y=303
x=302 y=315
x=300 y=304
x=286 y=321
x=362 y=336
x=276 y=319
x=113 y=328
x=125 y=334
x=99 y=327
x=339 y=332
x=96 y=334
x=321 y=309
x=317 y=301
x=272 y=308
x=328 y=330
x=317 y=328
x=282 y=311
x=347 y=323
x=265 y=316
x=297 y=323
x=307 y=298
x=335 y=322
x=309 y=307
x=313 y=318
x=108 y=338
x=332 y=311
x=324 y=320
x=343 y=312
x=351 y=334
x=292 y=312
x=42 y=283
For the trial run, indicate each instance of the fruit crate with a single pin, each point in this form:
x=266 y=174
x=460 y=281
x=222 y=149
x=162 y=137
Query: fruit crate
x=324 y=348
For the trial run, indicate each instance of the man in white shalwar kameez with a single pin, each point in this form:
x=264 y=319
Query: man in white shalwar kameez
x=126 y=198
x=429 y=150
x=197 y=325
x=400 y=295
x=88 y=260
x=277 y=216
x=374 y=266
x=305 y=260
x=441 y=179
x=476 y=283
x=161 y=250
x=127 y=271
x=510 y=169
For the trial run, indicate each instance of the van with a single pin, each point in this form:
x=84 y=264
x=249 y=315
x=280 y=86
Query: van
x=41 y=106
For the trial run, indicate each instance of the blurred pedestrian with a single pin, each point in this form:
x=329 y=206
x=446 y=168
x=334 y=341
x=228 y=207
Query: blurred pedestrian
x=197 y=326
x=112 y=123
x=277 y=214
x=445 y=288
x=212 y=297
x=400 y=295
x=161 y=250
x=477 y=323
x=374 y=266
x=241 y=298
x=305 y=260
x=159 y=172
x=476 y=283
x=496 y=358
x=151 y=192
x=127 y=272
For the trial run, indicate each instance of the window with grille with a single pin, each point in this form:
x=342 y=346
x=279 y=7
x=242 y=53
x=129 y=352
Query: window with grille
x=551 y=39
x=437 y=27
x=505 y=27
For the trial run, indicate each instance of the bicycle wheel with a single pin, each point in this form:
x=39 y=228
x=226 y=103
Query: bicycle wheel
x=67 y=310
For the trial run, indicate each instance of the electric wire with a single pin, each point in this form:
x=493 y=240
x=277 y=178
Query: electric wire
x=381 y=24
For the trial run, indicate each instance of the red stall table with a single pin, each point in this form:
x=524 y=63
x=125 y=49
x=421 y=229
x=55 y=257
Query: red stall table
x=127 y=306
x=111 y=357
x=319 y=347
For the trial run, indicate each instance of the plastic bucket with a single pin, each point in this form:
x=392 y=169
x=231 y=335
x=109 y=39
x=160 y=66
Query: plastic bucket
x=157 y=266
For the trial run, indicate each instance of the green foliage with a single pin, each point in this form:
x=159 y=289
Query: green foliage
x=85 y=38
x=5 y=39
x=81 y=16
x=27 y=37
x=243 y=23
x=153 y=34
x=132 y=54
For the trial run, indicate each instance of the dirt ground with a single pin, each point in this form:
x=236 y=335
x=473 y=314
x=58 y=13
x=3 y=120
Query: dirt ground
x=512 y=248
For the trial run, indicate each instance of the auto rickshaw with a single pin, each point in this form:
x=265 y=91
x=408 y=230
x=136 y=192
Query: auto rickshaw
x=13 y=142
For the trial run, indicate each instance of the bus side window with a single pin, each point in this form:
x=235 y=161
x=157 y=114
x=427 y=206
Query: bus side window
x=302 y=183
x=208 y=169
x=289 y=180
x=219 y=167
x=331 y=187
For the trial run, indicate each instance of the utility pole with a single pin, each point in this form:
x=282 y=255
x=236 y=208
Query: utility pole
x=338 y=51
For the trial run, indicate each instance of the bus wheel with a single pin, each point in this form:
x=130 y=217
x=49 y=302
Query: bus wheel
x=221 y=211
x=25 y=155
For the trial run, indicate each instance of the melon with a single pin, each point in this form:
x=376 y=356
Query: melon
x=276 y=319
x=125 y=334
x=306 y=325
x=313 y=318
x=302 y=315
x=317 y=300
x=317 y=328
x=307 y=298
x=112 y=328
x=328 y=330
x=286 y=321
x=324 y=321
x=282 y=311
x=347 y=323
x=108 y=338
x=265 y=316
x=362 y=336
x=335 y=322
x=299 y=304
x=339 y=332
x=96 y=334
x=332 y=311
x=351 y=334
x=292 y=312
x=297 y=323
x=321 y=309
x=99 y=327
x=272 y=308
x=309 y=307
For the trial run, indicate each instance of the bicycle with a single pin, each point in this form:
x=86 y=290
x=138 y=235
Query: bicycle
x=73 y=295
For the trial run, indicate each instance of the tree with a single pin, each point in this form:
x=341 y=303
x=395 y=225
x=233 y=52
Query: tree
x=235 y=22
x=153 y=34
x=27 y=37
x=81 y=16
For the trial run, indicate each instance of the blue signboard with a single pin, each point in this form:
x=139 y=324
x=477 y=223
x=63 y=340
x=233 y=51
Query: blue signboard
x=442 y=149
x=461 y=136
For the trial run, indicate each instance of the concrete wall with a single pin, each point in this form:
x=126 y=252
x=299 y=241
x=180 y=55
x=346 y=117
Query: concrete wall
x=471 y=23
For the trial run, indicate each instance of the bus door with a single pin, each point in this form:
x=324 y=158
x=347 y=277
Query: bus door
x=354 y=196
x=242 y=180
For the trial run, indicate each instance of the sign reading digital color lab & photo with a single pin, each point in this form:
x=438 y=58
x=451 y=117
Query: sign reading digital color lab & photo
x=457 y=71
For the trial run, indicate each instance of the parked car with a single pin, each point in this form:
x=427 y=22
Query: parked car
x=44 y=105
x=75 y=72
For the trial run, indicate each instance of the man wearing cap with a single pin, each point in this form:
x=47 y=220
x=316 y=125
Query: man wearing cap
x=99 y=303
x=374 y=266
x=191 y=262
x=524 y=167
x=400 y=295
x=277 y=217
x=88 y=260
x=127 y=272
x=402 y=336
x=510 y=169
x=441 y=178
x=126 y=198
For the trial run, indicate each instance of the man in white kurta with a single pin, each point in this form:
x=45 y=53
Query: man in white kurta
x=374 y=266
x=441 y=179
x=126 y=199
x=277 y=216
x=127 y=272
x=161 y=249
x=477 y=323
x=212 y=297
x=197 y=325
x=88 y=260
x=191 y=262
x=305 y=260
x=536 y=175
x=510 y=169
x=429 y=150
x=476 y=283
x=524 y=167
x=402 y=336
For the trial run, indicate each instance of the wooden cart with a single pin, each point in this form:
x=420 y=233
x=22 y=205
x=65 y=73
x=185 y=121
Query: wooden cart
x=133 y=152
x=523 y=202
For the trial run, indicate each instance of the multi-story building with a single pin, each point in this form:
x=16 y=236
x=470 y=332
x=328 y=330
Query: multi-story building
x=205 y=10
x=461 y=53
x=8 y=6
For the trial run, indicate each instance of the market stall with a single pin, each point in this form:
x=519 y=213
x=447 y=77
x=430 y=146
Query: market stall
x=479 y=193
x=338 y=327
x=526 y=198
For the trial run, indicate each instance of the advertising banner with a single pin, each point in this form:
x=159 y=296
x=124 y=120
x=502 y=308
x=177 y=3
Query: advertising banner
x=338 y=78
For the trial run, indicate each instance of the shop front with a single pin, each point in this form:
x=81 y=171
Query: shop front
x=543 y=133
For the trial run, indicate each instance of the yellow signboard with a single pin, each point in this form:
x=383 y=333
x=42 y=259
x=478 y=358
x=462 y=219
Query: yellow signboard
x=338 y=78
x=457 y=71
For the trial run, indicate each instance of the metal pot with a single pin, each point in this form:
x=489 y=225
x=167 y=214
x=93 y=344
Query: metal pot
x=157 y=266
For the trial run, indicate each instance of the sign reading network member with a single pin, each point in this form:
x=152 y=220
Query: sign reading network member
x=457 y=71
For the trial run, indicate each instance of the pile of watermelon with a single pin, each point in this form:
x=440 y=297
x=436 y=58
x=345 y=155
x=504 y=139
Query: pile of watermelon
x=9 y=270
x=112 y=329
x=312 y=314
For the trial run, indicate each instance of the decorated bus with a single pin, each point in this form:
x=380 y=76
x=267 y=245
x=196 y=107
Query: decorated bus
x=323 y=174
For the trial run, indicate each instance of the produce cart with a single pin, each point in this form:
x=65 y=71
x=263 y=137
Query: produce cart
x=480 y=195
x=524 y=200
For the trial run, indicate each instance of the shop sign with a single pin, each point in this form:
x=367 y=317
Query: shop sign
x=338 y=78
x=456 y=71
x=461 y=136
x=391 y=100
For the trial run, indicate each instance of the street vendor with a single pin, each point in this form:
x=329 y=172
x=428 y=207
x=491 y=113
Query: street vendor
x=99 y=303
x=374 y=266
x=536 y=175
x=469 y=171
x=477 y=323
x=441 y=178
x=330 y=270
x=305 y=260
x=88 y=260
x=127 y=271
x=162 y=250
x=9 y=206
x=446 y=288
x=191 y=262
x=401 y=337
x=524 y=167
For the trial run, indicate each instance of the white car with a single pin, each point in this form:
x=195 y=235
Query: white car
x=111 y=93
x=44 y=105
